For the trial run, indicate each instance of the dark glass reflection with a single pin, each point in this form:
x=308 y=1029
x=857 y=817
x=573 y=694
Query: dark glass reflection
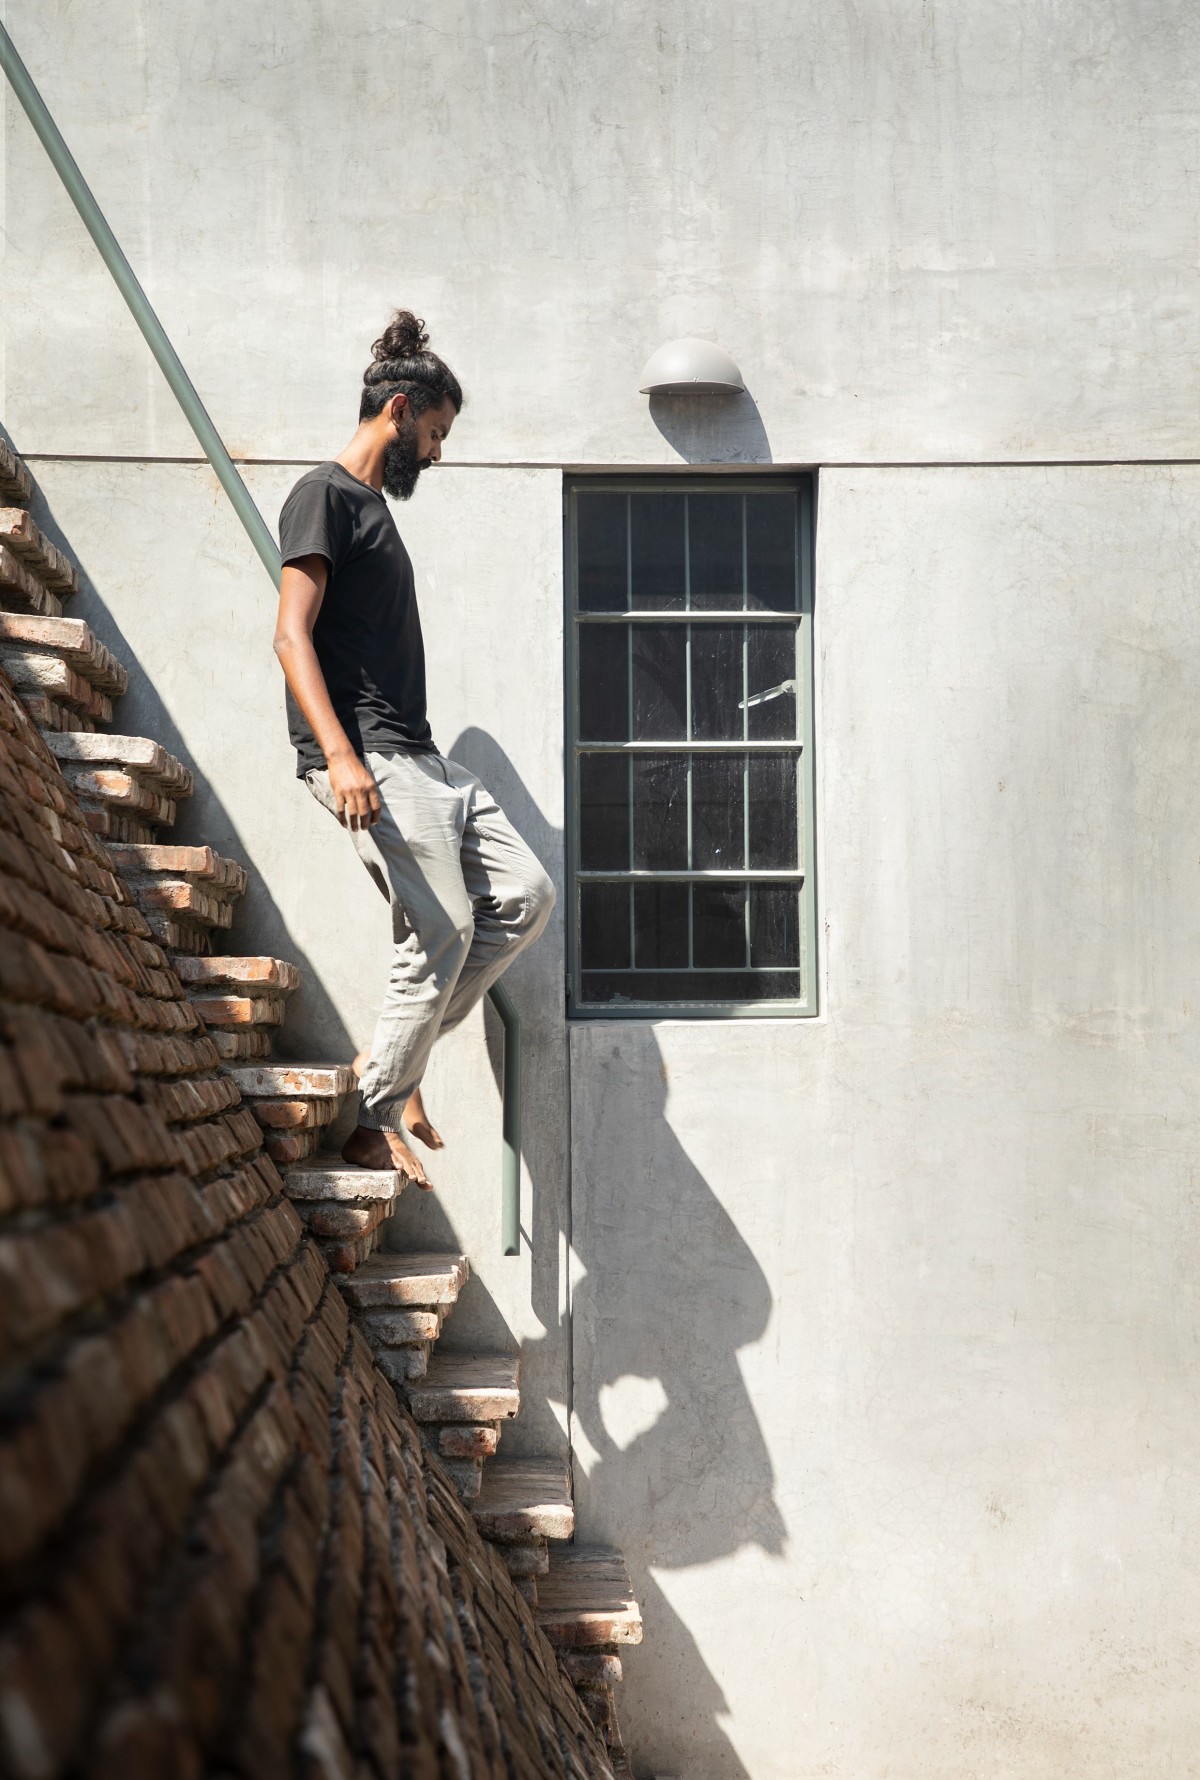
x=604 y=937
x=601 y=547
x=718 y=925
x=774 y=925
x=660 y=812
x=774 y=837
x=660 y=926
x=718 y=831
x=717 y=688
x=659 y=682
x=771 y=669
x=771 y=552
x=656 y=551
x=687 y=988
x=715 y=551
x=604 y=812
x=603 y=683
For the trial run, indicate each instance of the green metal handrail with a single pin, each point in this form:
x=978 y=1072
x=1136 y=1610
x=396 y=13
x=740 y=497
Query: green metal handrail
x=184 y=391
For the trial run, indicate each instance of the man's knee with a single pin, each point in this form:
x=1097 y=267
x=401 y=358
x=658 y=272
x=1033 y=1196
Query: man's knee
x=540 y=897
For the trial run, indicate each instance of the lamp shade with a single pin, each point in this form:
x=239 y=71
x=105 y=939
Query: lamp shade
x=691 y=368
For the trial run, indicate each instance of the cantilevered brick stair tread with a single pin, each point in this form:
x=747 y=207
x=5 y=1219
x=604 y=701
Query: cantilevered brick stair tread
x=525 y=1499
x=15 y=484
x=585 y=1599
x=282 y=1081
x=388 y=1280
x=65 y=639
x=138 y=755
x=467 y=1388
x=20 y=589
x=225 y=877
x=323 y=1177
x=19 y=534
x=259 y=976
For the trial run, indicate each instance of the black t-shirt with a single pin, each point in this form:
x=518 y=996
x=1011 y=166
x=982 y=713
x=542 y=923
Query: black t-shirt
x=368 y=631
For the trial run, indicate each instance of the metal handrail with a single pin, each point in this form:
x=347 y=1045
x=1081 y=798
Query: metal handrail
x=243 y=504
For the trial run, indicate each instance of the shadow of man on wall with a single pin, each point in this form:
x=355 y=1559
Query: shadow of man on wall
x=670 y=1462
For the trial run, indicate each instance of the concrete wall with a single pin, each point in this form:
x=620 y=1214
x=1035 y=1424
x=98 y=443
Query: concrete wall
x=880 y=1352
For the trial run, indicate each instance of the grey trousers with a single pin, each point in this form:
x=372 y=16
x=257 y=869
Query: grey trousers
x=467 y=897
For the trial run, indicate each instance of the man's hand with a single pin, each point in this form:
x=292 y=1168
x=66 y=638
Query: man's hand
x=355 y=793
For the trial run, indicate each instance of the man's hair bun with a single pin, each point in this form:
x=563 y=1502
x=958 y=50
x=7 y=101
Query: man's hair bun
x=403 y=337
x=401 y=362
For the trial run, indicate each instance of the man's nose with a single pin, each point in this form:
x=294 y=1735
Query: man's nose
x=435 y=452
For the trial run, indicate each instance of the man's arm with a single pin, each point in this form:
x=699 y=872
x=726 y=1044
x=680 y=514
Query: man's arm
x=301 y=591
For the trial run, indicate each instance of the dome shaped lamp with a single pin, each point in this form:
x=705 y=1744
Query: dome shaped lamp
x=691 y=368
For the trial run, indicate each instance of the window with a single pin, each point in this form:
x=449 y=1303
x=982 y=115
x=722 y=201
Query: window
x=690 y=746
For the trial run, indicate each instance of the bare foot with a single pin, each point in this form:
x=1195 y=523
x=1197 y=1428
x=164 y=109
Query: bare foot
x=384 y=1149
x=417 y=1120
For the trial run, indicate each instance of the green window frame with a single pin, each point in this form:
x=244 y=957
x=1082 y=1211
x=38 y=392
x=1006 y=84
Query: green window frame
x=689 y=834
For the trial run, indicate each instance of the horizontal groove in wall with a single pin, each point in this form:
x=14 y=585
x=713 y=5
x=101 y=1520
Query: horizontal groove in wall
x=741 y=468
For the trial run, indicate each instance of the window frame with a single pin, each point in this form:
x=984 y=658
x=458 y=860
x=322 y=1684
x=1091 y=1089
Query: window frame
x=804 y=483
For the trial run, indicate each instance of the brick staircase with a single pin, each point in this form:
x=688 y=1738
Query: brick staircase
x=130 y=788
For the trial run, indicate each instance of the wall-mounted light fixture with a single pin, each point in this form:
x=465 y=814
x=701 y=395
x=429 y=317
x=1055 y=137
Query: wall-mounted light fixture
x=691 y=368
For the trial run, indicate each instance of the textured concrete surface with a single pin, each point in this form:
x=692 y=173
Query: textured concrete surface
x=946 y=230
x=885 y=1353
x=885 y=1323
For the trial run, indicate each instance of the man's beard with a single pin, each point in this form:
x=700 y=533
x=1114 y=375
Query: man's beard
x=401 y=465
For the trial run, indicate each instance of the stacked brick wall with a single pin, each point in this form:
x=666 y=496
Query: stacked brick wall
x=223 y=1547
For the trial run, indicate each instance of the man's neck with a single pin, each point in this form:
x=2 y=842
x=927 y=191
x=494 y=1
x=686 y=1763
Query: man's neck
x=363 y=456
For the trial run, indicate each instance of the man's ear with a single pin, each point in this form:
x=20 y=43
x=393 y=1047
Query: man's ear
x=398 y=409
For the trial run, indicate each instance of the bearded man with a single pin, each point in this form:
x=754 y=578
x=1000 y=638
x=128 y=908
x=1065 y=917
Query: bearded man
x=466 y=893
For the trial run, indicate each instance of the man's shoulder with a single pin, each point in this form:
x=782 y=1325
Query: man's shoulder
x=321 y=479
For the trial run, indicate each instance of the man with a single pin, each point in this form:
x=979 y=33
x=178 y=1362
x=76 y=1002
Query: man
x=467 y=894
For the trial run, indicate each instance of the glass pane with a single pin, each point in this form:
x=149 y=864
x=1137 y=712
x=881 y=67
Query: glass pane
x=659 y=682
x=771 y=670
x=774 y=925
x=656 y=547
x=715 y=551
x=660 y=812
x=771 y=552
x=774 y=838
x=689 y=987
x=718 y=832
x=604 y=812
x=717 y=682
x=600 y=525
x=603 y=683
x=604 y=926
x=718 y=925
x=660 y=925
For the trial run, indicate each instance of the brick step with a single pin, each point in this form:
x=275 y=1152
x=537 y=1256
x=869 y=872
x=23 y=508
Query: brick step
x=20 y=589
x=525 y=1501
x=294 y=1081
x=293 y=1103
x=400 y=1282
x=135 y=756
x=585 y=1600
x=21 y=536
x=68 y=640
x=200 y=865
x=15 y=485
x=51 y=690
x=467 y=1388
x=241 y=1024
x=269 y=977
x=341 y=1206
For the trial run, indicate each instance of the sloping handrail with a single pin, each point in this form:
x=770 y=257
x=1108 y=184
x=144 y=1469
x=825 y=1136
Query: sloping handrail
x=243 y=504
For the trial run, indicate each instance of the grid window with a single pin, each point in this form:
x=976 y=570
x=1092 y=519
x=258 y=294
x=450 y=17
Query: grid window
x=690 y=744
